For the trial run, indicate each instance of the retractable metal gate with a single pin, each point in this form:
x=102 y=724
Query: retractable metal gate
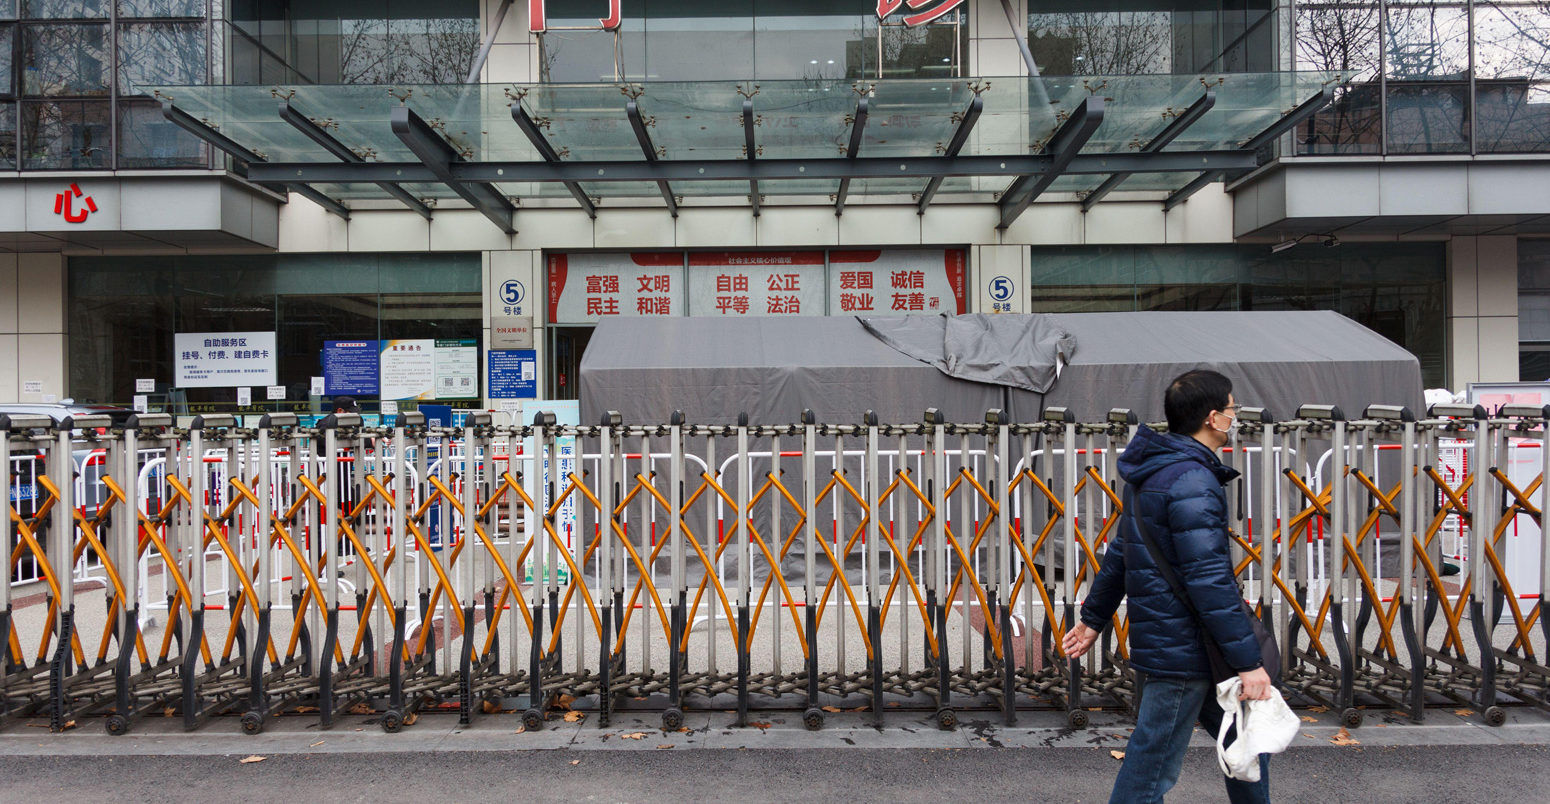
x=275 y=570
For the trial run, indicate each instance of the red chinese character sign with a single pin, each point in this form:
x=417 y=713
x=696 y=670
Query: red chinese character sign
x=755 y=284
x=584 y=288
x=902 y=282
x=885 y=8
x=73 y=205
x=538 y=18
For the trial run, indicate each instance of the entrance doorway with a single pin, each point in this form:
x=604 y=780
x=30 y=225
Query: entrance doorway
x=566 y=346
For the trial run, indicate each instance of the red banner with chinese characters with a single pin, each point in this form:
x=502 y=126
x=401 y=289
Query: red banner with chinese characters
x=898 y=282
x=584 y=288
x=751 y=284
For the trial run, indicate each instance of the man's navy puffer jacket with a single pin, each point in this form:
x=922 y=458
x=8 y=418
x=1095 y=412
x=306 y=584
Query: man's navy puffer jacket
x=1178 y=493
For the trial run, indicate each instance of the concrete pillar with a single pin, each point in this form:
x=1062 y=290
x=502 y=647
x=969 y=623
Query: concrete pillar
x=34 y=363
x=1482 y=310
x=993 y=49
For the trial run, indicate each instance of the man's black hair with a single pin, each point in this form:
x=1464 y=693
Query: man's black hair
x=1192 y=396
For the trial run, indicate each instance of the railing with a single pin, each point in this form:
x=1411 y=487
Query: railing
x=668 y=567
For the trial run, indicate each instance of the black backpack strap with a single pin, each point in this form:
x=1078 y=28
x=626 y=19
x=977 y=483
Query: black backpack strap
x=1164 y=567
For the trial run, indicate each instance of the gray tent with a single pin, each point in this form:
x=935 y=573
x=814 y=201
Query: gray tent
x=773 y=368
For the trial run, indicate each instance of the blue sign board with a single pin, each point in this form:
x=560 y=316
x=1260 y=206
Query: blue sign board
x=513 y=373
x=350 y=367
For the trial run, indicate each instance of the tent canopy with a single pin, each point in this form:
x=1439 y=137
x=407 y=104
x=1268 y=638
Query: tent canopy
x=772 y=368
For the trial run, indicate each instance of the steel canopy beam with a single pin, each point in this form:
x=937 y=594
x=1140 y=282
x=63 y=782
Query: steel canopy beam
x=641 y=135
x=315 y=132
x=857 y=127
x=750 y=146
x=547 y=151
x=438 y=155
x=1169 y=133
x=764 y=170
x=960 y=136
x=1285 y=123
x=247 y=158
x=1062 y=149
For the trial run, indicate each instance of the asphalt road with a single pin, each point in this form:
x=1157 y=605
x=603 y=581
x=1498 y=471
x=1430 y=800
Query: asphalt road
x=1315 y=774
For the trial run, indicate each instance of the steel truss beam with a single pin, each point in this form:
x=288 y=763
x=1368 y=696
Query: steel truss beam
x=317 y=134
x=762 y=170
x=960 y=136
x=639 y=124
x=1062 y=149
x=1171 y=132
x=750 y=147
x=438 y=156
x=1285 y=123
x=248 y=158
x=547 y=151
x=857 y=127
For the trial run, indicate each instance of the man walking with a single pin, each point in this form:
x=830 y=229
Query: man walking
x=1179 y=499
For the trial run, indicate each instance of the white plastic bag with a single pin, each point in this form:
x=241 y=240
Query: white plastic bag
x=1264 y=727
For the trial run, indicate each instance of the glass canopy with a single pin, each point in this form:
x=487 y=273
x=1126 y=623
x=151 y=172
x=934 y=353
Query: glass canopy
x=793 y=120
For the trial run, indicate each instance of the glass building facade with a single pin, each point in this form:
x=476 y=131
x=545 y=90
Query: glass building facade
x=124 y=311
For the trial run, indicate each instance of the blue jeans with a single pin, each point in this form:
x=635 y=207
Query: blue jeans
x=1155 y=755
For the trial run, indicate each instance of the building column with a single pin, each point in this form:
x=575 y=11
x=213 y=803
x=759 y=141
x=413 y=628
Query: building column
x=1482 y=310
x=33 y=359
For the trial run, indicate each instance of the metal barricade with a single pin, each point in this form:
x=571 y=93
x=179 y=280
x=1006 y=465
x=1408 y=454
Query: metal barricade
x=282 y=570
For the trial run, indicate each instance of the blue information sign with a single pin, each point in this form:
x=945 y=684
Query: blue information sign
x=350 y=367
x=513 y=373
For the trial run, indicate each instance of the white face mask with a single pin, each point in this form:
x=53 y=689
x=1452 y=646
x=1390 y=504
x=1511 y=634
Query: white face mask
x=1232 y=427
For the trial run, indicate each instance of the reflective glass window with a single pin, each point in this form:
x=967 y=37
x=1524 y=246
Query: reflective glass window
x=1342 y=36
x=65 y=134
x=8 y=134
x=684 y=40
x=160 y=8
x=1071 y=37
x=65 y=9
x=1512 y=75
x=7 y=60
x=1427 y=42
x=1428 y=118
x=147 y=140
x=65 y=59
x=161 y=54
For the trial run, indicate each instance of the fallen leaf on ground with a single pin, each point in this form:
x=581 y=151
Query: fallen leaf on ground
x=683 y=730
x=410 y=718
x=640 y=698
x=665 y=745
x=168 y=712
x=634 y=735
x=830 y=708
x=894 y=704
x=759 y=724
x=859 y=709
x=490 y=707
x=1095 y=709
x=1318 y=709
x=318 y=743
x=69 y=724
x=1343 y=737
x=1463 y=712
x=574 y=716
x=252 y=759
x=564 y=701
x=521 y=729
x=306 y=709
x=1307 y=719
x=362 y=708
x=1117 y=754
x=1309 y=736
x=575 y=762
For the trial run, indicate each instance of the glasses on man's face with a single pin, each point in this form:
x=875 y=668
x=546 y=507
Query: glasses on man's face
x=1233 y=409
